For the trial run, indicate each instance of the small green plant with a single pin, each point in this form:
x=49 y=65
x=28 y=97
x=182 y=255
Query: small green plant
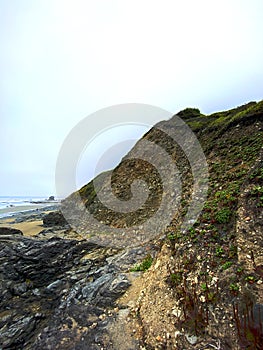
x=212 y=297
x=257 y=174
x=171 y=236
x=174 y=236
x=250 y=279
x=225 y=196
x=240 y=270
x=257 y=190
x=223 y=216
x=192 y=230
x=226 y=265
x=204 y=287
x=206 y=217
x=234 y=288
x=219 y=251
x=144 y=265
x=176 y=278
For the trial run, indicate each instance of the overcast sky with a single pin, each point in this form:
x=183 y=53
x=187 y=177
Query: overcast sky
x=63 y=60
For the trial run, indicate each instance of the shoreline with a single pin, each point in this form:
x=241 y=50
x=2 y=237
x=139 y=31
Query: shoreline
x=25 y=210
x=30 y=221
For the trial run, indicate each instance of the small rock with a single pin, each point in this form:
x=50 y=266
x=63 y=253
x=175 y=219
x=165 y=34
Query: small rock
x=20 y=289
x=94 y=325
x=176 y=312
x=54 y=285
x=192 y=339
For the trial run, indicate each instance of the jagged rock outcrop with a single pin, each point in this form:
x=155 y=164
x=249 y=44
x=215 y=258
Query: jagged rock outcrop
x=61 y=294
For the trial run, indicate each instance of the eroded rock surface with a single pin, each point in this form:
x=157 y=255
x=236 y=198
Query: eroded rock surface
x=60 y=294
x=10 y=231
x=54 y=218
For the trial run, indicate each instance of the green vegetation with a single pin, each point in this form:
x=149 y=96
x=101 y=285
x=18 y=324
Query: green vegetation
x=223 y=215
x=219 y=251
x=250 y=279
x=176 y=278
x=144 y=265
x=232 y=143
x=227 y=265
x=189 y=113
x=234 y=288
x=257 y=192
x=204 y=287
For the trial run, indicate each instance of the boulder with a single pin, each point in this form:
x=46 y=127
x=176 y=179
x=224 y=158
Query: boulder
x=10 y=231
x=54 y=218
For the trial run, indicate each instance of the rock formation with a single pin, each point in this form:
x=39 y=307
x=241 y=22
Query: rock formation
x=197 y=288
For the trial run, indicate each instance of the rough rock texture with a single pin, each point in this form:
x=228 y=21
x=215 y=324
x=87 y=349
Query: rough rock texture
x=204 y=288
x=61 y=294
x=10 y=231
x=54 y=219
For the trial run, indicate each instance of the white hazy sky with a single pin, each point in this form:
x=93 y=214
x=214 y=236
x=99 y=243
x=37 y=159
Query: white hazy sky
x=61 y=60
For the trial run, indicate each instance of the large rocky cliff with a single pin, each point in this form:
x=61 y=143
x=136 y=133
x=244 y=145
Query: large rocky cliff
x=200 y=287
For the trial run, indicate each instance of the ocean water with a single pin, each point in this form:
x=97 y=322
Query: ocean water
x=10 y=205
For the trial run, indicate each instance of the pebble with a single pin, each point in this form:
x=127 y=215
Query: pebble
x=94 y=325
x=177 y=312
x=202 y=299
x=192 y=339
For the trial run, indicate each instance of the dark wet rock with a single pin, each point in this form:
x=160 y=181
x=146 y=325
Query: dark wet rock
x=60 y=294
x=54 y=218
x=20 y=288
x=45 y=232
x=10 y=231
